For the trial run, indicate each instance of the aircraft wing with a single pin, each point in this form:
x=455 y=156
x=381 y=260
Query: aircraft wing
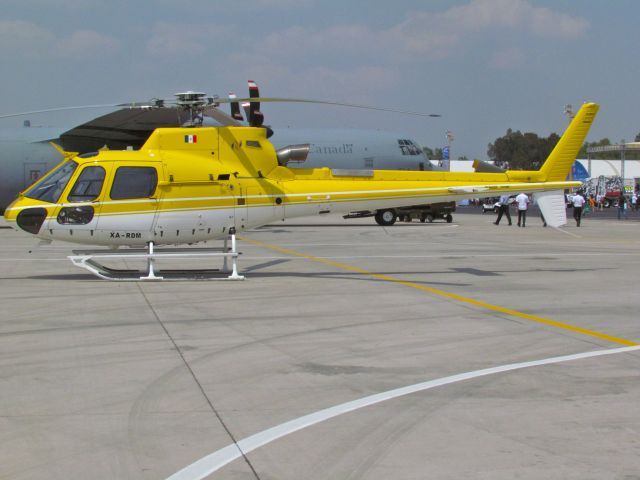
x=468 y=189
x=514 y=187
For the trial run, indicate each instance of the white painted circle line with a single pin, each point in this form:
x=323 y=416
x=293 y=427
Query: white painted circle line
x=218 y=459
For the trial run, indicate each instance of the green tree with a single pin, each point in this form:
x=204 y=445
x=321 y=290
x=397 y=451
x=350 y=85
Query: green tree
x=428 y=152
x=433 y=154
x=521 y=151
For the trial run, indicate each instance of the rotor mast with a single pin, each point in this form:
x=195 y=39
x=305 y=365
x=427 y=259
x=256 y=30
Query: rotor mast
x=194 y=103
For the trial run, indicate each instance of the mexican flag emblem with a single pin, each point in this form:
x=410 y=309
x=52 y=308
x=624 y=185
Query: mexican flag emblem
x=190 y=139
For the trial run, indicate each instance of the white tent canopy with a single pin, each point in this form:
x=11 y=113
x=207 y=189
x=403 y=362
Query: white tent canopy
x=610 y=168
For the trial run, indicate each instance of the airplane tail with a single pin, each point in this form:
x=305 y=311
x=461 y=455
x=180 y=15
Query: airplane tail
x=557 y=166
x=558 y=163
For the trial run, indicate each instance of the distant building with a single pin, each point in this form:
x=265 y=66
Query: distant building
x=628 y=169
x=610 y=168
x=583 y=168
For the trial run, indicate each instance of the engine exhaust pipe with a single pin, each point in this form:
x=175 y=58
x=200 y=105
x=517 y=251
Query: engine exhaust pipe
x=293 y=153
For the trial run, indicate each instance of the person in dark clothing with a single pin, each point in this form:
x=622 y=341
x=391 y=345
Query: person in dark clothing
x=504 y=209
x=622 y=203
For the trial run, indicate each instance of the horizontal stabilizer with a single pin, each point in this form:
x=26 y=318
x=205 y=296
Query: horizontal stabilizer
x=468 y=189
x=552 y=207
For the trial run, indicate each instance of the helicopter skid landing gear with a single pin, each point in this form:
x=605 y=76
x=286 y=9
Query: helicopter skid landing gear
x=90 y=260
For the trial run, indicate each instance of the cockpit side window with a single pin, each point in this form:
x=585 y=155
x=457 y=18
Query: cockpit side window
x=88 y=186
x=408 y=147
x=49 y=188
x=134 y=182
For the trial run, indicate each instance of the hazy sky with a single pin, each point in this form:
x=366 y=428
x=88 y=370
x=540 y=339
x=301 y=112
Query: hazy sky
x=485 y=65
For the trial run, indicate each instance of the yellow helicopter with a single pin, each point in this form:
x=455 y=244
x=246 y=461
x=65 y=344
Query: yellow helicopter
x=197 y=183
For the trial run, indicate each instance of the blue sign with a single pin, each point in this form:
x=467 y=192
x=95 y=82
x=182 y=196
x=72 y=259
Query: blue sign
x=445 y=153
x=578 y=172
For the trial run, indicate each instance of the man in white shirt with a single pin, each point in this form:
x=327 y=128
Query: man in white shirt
x=578 y=202
x=523 y=203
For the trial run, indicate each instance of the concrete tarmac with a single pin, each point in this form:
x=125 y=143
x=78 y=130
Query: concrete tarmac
x=106 y=380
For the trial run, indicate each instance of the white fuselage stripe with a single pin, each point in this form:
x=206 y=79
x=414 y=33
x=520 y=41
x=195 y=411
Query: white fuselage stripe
x=218 y=459
x=417 y=193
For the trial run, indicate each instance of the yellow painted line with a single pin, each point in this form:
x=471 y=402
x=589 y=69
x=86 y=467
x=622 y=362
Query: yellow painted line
x=452 y=296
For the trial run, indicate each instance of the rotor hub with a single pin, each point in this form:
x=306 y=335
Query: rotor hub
x=195 y=103
x=191 y=99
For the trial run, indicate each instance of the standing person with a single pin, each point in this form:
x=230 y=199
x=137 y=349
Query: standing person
x=634 y=202
x=523 y=203
x=586 y=208
x=578 y=202
x=622 y=202
x=503 y=209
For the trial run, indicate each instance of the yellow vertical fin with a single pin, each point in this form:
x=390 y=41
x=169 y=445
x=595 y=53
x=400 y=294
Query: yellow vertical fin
x=558 y=164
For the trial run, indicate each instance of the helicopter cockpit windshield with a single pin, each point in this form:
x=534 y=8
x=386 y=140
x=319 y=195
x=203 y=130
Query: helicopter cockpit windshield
x=50 y=187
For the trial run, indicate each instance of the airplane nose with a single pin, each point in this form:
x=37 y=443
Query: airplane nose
x=31 y=219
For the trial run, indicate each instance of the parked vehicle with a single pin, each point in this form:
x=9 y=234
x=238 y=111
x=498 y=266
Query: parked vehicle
x=428 y=213
x=490 y=207
x=424 y=213
x=492 y=204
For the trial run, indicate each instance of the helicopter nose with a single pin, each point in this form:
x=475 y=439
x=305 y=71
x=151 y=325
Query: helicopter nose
x=31 y=219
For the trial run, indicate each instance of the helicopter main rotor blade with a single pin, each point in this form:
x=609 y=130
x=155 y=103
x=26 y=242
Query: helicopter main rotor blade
x=325 y=102
x=160 y=103
x=221 y=117
x=59 y=109
x=146 y=104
